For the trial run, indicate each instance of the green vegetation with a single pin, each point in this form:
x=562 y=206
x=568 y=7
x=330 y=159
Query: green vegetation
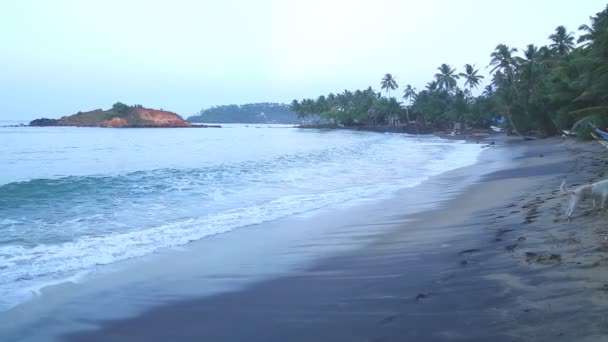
x=247 y=113
x=538 y=90
x=119 y=109
x=351 y=108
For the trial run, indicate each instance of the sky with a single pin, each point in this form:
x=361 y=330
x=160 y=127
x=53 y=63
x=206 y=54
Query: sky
x=63 y=56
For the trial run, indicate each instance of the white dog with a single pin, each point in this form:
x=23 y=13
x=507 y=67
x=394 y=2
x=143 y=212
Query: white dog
x=595 y=191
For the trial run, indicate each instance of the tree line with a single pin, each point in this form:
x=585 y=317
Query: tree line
x=538 y=89
x=266 y=112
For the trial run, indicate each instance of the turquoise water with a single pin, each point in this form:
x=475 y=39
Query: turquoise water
x=75 y=199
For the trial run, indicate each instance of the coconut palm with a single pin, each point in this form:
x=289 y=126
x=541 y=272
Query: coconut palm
x=531 y=53
x=472 y=80
x=503 y=60
x=409 y=94
x=586 y=37
x=431 y=86
x=504 y=66
x=446 y=77
x=563 y=42
x=530 y=71
x=488 y=90
x=388 y=83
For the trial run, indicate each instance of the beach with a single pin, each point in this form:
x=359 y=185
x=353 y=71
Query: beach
x=497 y=260
x=361 y=183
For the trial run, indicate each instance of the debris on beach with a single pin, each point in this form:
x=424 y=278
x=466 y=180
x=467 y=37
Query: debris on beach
x=548 y=259
x=422 y=296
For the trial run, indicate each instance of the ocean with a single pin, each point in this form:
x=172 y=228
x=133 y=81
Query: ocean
x=75 y=200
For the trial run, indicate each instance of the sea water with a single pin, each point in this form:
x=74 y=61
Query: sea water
x=75 y=199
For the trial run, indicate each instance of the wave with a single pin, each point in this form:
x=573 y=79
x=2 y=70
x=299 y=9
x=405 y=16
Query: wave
x=91 y=221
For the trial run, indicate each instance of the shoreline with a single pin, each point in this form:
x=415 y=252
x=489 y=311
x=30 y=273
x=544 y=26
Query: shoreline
x=504 y=270
x=132 y=279
x=471 y=135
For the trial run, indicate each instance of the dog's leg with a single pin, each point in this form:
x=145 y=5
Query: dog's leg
x=570 y=208
x=573 y=204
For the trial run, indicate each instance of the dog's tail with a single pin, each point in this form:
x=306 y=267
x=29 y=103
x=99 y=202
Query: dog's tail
x=562 y=188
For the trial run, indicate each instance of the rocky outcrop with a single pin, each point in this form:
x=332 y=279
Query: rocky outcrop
x=118 y=116
x=44 y=122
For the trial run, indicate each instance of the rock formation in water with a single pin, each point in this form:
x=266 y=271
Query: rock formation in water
x=120 y=115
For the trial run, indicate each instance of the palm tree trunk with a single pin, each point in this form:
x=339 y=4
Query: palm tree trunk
x=510 y=117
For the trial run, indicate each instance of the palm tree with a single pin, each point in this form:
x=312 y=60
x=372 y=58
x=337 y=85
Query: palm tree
x=409 y=94
x=470 y=75
x=446 y=77
x=504 y=65
x=388 y=83
x=587 y=37
x=563 y=42
x=503 y=60
x=431 y=86
x=531 y=53
x=297 y=108
x=530 y=68
x=488 y=91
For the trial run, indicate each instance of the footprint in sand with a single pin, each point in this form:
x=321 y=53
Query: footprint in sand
x=421 y=296
x=468 y=252
x=548 y=259
x=531 y=255
x=503 y=231
x=388 y=319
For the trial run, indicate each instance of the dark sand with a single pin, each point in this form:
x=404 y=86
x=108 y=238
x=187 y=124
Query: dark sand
x=513 y=270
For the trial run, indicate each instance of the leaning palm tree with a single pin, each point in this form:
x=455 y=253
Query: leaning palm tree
x=446 y=77
x=472 y=80
x=388 y=83
x=563 y=42
x=409 y=94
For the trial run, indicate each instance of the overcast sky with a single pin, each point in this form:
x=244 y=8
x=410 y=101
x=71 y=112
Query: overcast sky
x=62 y=56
